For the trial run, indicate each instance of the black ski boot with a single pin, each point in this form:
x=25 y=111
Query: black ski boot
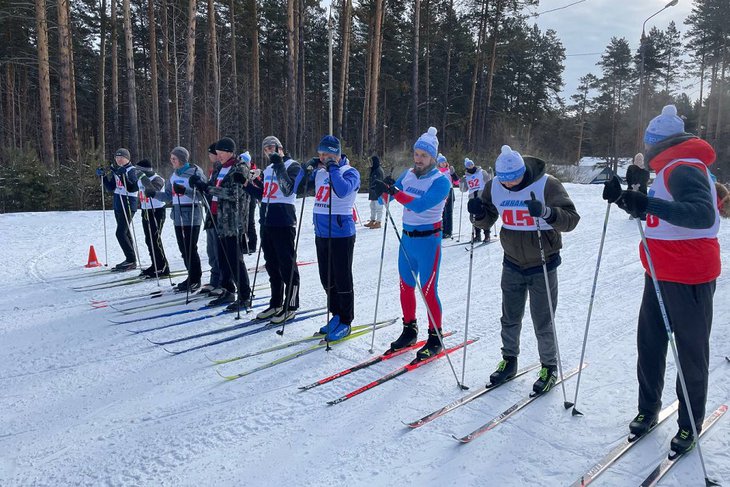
x=641 y=424
x=432 y=347
x=546 y=380
x=506 y=369
x=408 y=337
x=682 y=442
x=125 y=266
x=225 y=298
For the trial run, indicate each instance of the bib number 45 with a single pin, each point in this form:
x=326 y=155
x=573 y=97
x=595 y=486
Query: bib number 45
x=517 y=218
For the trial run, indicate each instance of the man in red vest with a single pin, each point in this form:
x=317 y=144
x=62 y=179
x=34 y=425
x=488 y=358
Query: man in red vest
x=681 y=231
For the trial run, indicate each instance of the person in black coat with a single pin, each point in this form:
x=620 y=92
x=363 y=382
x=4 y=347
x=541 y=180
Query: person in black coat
x=376 y=208
x=637 y=177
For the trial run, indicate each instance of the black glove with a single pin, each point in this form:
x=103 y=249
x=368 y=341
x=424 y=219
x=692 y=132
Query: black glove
x=198 y=183
x=238 y=178
x=331 y=165
x=178 y=189
x=276 y=159
x=150 y=192
x=475 y=207
x=312 y=164
x=381 y=187
x=389 y=181
x=633 y=202
x=536 y=208
x=612 y=189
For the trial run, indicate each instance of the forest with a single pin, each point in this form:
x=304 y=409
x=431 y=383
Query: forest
x=80 y=79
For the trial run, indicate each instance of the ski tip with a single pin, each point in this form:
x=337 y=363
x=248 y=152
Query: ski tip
x=711 y=483
x=575 y=412
x=462 y=440
x=170 y=351
x=463 y=387
x=568 y=404
x=413 y=425
x=331 y=403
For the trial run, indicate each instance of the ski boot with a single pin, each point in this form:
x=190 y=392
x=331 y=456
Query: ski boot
x=641 y=424
x=282 y=316
x=124 y=266
x=432 y=347
x=506 y=369
x=225 y=298
x=682 y=442
x=408 y=337
x=546 y=380
x=268 y=313
x=338 y=332
x=333 y=323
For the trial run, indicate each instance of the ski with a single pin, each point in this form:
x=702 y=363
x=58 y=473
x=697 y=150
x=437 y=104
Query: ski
x=282 y=346
x=268 y=326
x=618 y=451
x=177 y=300
x=237 y=326
x=466 y=399
x=173 y=313
x=509 y=412
x=128 y=281
x=481 y=244
x=372 y=361
x=305 y=351
x=661 y=470
x=727 y=358
x=398 y=372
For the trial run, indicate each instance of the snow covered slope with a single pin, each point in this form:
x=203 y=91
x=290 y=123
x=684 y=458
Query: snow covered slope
x=84 y=402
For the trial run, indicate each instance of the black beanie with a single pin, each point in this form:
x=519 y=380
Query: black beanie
x=211 y=148
x=226 y=144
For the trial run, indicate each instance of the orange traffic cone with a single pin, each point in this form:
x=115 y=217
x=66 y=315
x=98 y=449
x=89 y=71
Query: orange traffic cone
x=354 y=215
x=93 y=261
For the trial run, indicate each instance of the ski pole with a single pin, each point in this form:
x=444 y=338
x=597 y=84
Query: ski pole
x=238 y=250
x=130 y=221
x=103 y=218
x=159 y=245
x=575 y=411
x=290 y=294
x=149 y=232
x=423 y=296
x=329 y=262
x=357 y=213
x=261 y=243
x=670 y=337
x=190 y=247
x=206 y=205
x=461 y=214
x=550 y=305
x=468 y=301
x=380 y=276
x=182 y=232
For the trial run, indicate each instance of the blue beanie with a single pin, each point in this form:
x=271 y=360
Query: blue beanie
x=664 y=125
x=441 y=158
x=245 y=157
x=428 y=142
x=468 y=163
x=330 y=144
x=509 y=165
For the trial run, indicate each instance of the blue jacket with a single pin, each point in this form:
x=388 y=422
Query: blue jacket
x=342 y=225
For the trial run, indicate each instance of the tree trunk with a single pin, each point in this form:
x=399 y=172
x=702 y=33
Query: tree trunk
x=154 y=90
x=214 y=67
x=414 y=82
x=292 y=63
x=256 y=82
x=234 y=79
x=131 y=82
x=702 y=86
x=165 y=91
x=346 y=18
x=713 y=92
x=115 y=129
x=301 y=83
x=490 y=75
x=189 y=99
x=475 y=75
x=427 y=67
x=10 y=104
x=44 y=86
x=449 y=26
x=70 y=132
x=375 y=74
x=364 y=143
x=721 y=94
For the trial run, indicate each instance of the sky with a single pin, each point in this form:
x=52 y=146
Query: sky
x=587 y=27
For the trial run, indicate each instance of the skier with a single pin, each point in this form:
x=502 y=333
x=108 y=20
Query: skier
x=277 y=194
x=229 y=208
x=637 y=177
x=509 y=197
x=125 y=191
x=681 y=232
x=447 y=219
x=376 y=207
x=473 y=181
x=723 y=199
x=335 y=188
x=251 y=240
x=187 y=214
x=213 y=287
x=422 y=190
x=150 y=185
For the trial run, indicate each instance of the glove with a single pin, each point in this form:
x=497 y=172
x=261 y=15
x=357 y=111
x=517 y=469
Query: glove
x=99 y=172
x=633 y=202
x=537 y=209
x=312 y=164
x=256 y=173
x=197 y=183
x=150 y=192
x=381 y=187
x=475 y=207
x=276 y=159
x=238 y=178
x=389 y=181
x=612 y=189
x=331 y=165
x=178 y=189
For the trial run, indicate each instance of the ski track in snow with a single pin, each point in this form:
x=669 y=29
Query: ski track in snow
x=84 y=402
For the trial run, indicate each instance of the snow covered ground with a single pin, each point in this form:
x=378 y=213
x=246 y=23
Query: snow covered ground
x=84 y=402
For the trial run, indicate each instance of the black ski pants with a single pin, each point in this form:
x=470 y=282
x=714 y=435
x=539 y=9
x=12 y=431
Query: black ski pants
x=233 y=273
x=277 y=244
x=334 y=257
x=690 y=315
x=251 y=238
x=152 y=223
x=123 y=233
x=187 y=242
x=448 y=215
